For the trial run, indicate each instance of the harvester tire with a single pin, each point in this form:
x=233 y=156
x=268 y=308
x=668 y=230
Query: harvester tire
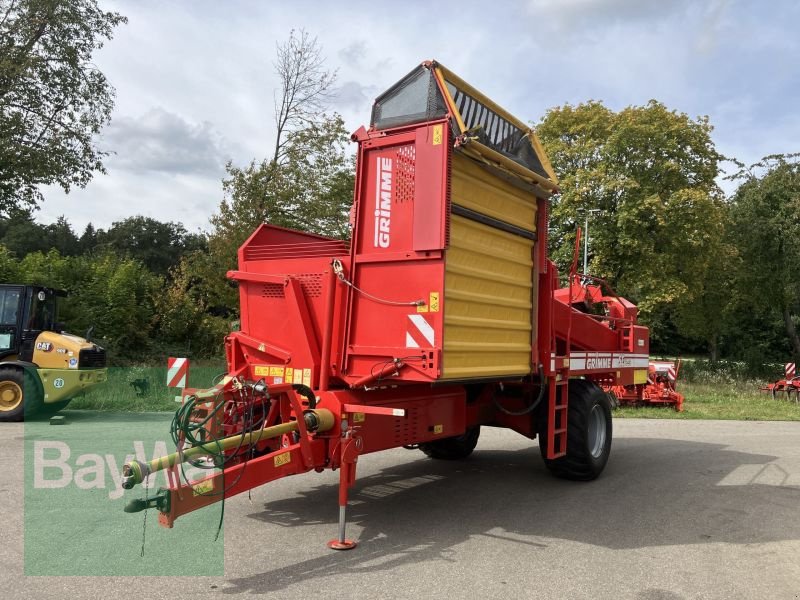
x=588 y=434
x=19 y=394
x=453 y=448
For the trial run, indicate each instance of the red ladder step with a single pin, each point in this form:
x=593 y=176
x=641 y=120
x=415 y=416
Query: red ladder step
x=557 y=403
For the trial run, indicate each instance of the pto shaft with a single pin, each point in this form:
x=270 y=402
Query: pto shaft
x=136 y=472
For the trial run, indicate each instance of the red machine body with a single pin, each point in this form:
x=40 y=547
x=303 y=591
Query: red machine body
x=365 y=330
x=660 y=389
x=789 y=385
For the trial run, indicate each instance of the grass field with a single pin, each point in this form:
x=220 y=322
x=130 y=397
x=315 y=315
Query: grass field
x=119 y=393
x=713 y=397
x=736 y=400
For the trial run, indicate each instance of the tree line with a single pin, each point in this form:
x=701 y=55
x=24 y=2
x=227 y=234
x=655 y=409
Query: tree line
x=712 y=273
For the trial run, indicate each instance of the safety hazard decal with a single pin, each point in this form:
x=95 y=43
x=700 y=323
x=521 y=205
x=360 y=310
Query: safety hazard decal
x=419 y=333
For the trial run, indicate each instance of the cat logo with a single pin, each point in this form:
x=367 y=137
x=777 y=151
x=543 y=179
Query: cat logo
x=44 y=346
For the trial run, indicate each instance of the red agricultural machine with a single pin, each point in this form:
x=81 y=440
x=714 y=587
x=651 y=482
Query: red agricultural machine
x=789 y=385
x=442 y=315
x=660 y=389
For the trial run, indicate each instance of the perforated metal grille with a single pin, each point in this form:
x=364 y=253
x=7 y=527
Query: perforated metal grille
x=272 y=290
x=406 y=160
x=406 y=430
x=311 y=283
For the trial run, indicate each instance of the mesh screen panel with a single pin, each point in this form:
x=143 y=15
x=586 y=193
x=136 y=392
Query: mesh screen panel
x=494 y=131
x=414 y=99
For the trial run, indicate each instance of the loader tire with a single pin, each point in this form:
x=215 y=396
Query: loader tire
x=48 y=410
x=453 y=448
x=19 y=394
x=589 y=434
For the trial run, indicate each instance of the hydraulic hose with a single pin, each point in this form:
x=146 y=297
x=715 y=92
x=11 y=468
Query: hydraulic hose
x=528 y=409
x=136 y=472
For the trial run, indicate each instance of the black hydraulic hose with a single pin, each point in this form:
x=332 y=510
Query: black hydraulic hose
x=528 y=409
x=308 y=393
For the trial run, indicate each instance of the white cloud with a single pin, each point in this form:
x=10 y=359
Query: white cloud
x=194 y=79
x=160 y=141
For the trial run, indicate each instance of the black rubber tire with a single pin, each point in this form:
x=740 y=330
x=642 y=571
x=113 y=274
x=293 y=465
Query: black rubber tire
x=48 y=410
x=31 y=394
x=453 y=448
x=580 y=464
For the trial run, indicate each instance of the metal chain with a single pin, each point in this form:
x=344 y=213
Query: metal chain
x=144 y=526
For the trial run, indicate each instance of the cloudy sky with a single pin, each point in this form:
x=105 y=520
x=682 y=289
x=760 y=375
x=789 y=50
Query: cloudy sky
x=195 y=79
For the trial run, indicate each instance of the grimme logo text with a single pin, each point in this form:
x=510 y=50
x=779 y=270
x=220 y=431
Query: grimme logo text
x=383 y=203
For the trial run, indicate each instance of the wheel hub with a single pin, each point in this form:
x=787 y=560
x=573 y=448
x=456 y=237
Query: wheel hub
x=10 y=395
x=597 y=431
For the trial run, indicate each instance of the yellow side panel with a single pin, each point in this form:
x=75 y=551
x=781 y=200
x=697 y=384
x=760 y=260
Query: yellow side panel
x=477 y=189
x=487 y=302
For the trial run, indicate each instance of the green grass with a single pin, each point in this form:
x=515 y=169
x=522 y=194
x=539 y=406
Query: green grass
x=732 y=400
x=712 y=398
x=117 y=394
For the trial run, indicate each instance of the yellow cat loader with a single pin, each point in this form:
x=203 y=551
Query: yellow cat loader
x=41 y=370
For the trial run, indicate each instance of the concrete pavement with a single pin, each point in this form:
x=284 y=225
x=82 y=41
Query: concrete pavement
x=685 y=509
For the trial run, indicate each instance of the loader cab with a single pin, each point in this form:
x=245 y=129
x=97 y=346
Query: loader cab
x=26 y=311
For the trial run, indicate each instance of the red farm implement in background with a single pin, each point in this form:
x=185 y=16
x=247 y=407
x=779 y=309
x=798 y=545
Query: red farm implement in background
x=789 y=385
x=441 y=316
x=660 y=389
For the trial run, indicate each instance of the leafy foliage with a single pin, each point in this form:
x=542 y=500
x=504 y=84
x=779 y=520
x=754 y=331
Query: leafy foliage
x=651 y=173
x=157 y=245
x=306 y=184
x=766 y=227
x=112 y=294
x=53 y=100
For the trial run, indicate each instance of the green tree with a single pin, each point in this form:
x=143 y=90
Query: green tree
x=184 y=323
x=766 y=227
x=21 y=234
x=651 y=173
x=115 y=295
x=306 y=183
x=88 y=239
x=159 y=246
x=61 y=237
x=53 y=100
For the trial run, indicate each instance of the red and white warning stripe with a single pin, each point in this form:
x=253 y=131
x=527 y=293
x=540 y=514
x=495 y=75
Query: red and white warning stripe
x=789 y=369
x=666 y=368
x=177 y=372
x=672 y=374
x=419 y=333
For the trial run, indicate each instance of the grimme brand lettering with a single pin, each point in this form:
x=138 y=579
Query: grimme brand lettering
x=383 y=203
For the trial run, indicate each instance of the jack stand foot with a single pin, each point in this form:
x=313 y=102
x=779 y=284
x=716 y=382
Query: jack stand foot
x=342 y=544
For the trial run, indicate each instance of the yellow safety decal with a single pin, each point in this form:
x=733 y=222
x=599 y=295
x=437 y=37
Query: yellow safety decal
x=437 y=429
x=297 y=377
x=262 y=348
x=437 y=134
x=422 y=308
x=283 y=459
x=640 y=376
x=434 y=302
x=261 y=370
x=359 y=417
x=276 y=371
x=202 y=488
x=307 y=377
x=289 y=374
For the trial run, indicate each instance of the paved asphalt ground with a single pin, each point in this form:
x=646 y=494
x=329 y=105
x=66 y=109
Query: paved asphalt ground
x=685 y=509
